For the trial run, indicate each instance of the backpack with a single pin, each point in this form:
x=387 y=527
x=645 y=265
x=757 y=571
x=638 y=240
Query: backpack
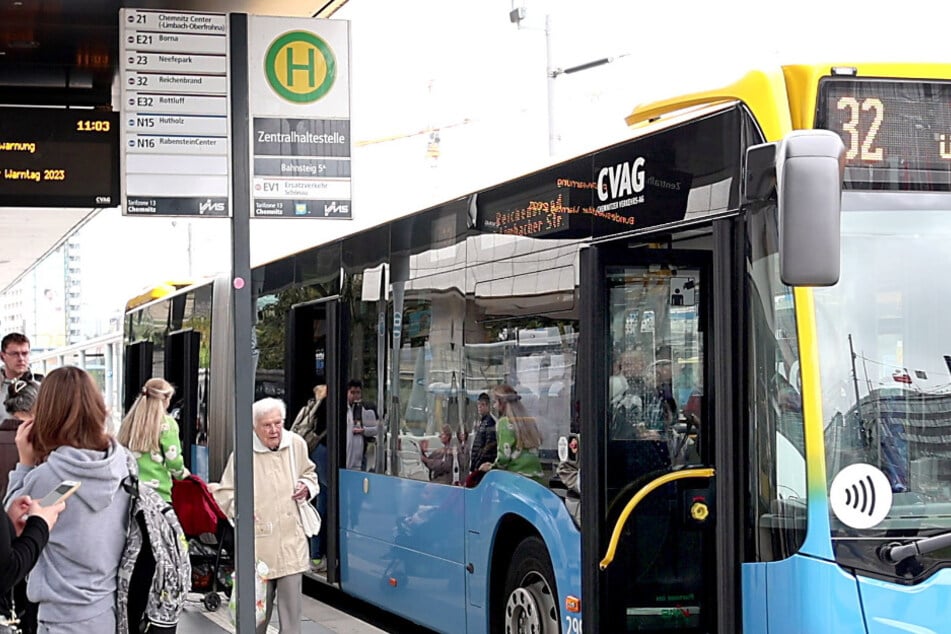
x=154 y=571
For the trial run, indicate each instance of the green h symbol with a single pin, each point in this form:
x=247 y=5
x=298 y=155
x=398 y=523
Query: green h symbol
x=310 y=67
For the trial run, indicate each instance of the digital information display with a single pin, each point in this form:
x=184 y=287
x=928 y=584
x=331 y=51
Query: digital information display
x=627 y=187
x=896 y=131
x=52 y=157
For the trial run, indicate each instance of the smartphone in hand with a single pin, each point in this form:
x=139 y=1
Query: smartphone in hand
x=62 y=491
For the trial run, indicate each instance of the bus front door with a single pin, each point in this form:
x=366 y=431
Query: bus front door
x=649 y=549
x=316 y=354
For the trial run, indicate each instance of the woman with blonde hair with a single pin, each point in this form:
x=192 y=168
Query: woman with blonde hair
x=518 y=436
x=152 y=437
x=75 y=579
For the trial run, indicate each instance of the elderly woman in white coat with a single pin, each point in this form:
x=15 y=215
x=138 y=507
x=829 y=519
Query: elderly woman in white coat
x=283 y=476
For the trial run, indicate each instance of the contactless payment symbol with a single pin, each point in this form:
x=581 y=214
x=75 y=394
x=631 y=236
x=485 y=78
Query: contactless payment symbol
x=300 y=67
x=860 y=496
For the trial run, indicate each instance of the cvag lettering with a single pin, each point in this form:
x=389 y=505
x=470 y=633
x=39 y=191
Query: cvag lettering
x=623 y=179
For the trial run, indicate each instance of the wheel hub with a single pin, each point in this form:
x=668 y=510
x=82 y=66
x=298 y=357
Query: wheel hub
x=522 y=613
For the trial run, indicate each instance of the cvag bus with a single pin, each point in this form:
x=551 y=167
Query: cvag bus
x=761 y=417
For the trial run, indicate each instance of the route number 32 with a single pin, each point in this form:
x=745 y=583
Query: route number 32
x=857 y=146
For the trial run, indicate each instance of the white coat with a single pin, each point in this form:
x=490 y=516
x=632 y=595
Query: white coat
x=279 y=539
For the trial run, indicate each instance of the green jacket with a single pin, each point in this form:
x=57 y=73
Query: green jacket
x=514 y=458
x=158 y=468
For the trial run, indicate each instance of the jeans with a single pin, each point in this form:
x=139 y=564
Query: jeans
x=319 y=458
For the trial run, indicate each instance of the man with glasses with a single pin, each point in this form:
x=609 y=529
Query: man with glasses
x=15 y=353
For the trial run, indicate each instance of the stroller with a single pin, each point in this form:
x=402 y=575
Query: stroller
x=210 y=539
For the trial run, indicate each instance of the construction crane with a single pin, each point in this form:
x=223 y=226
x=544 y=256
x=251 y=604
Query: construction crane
x=432 y=132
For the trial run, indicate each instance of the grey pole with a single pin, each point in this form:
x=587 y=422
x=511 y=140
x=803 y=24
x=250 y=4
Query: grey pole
x=242 y=320
x=552 y=74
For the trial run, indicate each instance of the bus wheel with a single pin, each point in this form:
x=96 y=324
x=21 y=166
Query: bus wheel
x=531 y=606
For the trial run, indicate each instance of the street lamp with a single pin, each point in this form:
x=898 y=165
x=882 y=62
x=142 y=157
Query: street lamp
x=553 y=74
x=516 y=16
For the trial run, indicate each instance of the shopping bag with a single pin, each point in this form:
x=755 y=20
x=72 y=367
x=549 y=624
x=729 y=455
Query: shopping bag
x=260 y=595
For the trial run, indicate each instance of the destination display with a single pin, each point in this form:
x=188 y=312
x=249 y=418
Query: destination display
x=52 y=157
x=623 y=190
x=889 y=126
x=175 y=113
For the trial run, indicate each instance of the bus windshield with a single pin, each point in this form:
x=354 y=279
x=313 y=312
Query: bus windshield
x=885 y=350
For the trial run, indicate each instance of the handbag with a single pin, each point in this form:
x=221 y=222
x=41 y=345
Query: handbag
x=309 y=518
x=10 y=624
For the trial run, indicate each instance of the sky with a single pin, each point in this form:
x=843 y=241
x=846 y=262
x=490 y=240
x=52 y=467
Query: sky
x=464 y=67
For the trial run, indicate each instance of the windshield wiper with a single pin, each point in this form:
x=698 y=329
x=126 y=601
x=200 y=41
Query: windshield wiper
x=895 y=552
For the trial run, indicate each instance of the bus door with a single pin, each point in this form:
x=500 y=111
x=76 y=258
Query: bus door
x=181 y=370
x=316 y=354
x=649 y=547
x=138 y=369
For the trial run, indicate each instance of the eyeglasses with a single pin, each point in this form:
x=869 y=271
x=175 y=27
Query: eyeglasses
x=17 y=354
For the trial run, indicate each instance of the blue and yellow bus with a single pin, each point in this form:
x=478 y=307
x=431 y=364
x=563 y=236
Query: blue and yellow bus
x=722 y=337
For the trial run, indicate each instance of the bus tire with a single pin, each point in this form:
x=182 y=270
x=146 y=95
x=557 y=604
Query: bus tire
x=531 y=600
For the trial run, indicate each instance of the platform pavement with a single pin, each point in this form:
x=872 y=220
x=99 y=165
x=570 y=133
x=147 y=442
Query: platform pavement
x=317 y=618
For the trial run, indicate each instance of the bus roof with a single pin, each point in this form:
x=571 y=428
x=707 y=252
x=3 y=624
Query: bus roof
x=158 y=291
x=783 y=99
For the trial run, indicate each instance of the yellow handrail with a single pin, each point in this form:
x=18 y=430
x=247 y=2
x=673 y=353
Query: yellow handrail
x=706 y=472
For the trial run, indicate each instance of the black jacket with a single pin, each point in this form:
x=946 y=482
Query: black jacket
x=18 y=555
x=485 y=443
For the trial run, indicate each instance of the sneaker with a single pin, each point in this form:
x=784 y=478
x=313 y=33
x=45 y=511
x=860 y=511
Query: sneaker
x=318 y=564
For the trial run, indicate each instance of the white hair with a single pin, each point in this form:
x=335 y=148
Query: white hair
x=266 y=406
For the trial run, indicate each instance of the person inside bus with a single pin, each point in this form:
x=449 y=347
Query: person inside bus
x=569 y=472
x=518 y=436
x=439 y=461
x=484 y=441
x=361 y=425
x=311 y=425
x=647 y=428
x=463 y=450
x=283 y=478
x=660 y=407
x=629 y=385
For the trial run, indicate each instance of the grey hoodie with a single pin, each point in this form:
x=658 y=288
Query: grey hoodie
x=75 y=577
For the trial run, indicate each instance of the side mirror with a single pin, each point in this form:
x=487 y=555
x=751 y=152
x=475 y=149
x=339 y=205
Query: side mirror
x=810 y=166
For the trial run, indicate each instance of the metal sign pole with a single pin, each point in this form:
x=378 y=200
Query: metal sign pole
x=242 y=320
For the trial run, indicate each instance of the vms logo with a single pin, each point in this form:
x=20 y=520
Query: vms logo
x=211 y=207
x=333 y=209
x=300 y=67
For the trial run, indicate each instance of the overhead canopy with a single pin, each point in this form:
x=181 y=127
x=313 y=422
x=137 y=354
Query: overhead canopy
x=64 y=53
